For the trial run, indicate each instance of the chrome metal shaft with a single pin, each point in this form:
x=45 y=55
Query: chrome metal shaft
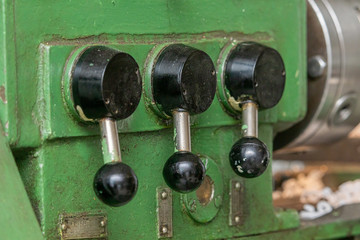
x=250 y=119
x=110 y=140
x=182 y=130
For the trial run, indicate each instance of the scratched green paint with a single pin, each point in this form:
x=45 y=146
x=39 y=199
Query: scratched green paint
x=60 y=155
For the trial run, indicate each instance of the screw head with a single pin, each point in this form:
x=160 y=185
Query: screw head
x=164 y=195
x=63 y=226
x=164 y=230
x=237 y=219
x=102 y=223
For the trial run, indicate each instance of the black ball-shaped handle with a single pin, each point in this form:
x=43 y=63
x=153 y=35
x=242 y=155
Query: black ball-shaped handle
x=184 y=172
x=249 y=157
x=115 y=184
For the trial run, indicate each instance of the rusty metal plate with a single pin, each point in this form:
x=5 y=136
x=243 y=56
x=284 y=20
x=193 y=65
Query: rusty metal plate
x=164 y=212
x=83 y=226
x=236 y=203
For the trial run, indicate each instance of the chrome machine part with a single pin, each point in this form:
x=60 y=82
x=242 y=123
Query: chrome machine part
x=182 y=130
x=110 y=139
x=250 y=119
x=333 y=74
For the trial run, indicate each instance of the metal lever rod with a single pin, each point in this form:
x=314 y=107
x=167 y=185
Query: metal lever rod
x=182 y=130
x=110 y=140
x=250 y=119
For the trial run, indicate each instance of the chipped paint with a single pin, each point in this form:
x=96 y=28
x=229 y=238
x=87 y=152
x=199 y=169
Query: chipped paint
x=2 y=94
x=234 y=103
x=82 y=114
x=206 y=163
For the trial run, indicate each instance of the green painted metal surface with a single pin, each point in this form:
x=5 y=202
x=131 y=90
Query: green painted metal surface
x=17 y=219
x=58 y=155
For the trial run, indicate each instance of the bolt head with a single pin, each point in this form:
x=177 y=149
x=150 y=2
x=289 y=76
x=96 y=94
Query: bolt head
x=316 y=66
x=237 y=185
x=237 y=219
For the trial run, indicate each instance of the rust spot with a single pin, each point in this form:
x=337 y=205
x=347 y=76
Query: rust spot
x=2 y=94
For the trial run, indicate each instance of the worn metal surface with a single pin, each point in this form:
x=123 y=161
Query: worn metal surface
x=83 y=226
x=164 y=212
x=237 y=204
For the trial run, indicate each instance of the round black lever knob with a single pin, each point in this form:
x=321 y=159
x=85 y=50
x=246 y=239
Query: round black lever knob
x=249 y=157
x=184 y=77
x=115 y=184
x=184 y=172
x=255 y=72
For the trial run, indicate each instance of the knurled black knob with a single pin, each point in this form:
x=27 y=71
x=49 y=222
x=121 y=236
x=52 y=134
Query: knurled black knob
x=184 y=172
x=115 y=184
x=249 y=157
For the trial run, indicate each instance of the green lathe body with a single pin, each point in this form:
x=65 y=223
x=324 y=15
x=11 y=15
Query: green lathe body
x=56 y=155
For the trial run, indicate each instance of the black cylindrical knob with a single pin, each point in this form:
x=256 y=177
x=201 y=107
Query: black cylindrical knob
x=184 y=172
x=183 y=77
x=106 y=83
x=115 y=184
x=255 y=72
x=249 y=157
